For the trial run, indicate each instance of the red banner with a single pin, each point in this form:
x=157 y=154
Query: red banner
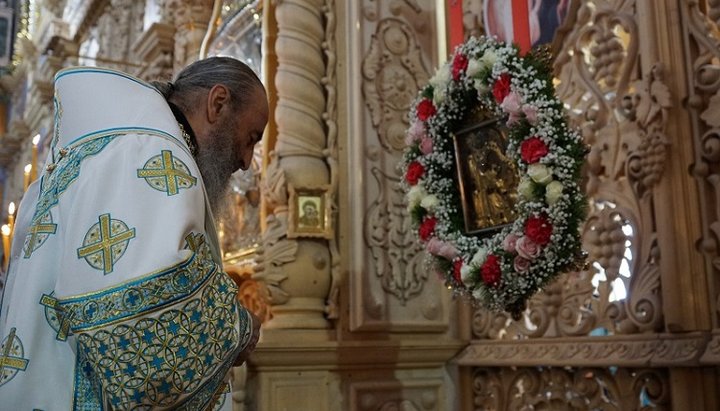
x=521 y=25
x=456 y=34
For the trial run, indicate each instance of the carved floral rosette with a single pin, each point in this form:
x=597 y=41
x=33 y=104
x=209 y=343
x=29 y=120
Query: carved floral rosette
x=502 y=271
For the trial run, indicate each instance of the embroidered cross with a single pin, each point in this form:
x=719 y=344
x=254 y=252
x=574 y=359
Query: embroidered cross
x=167 y=173
x=194 y=241
x=35 y=232
x=11 y=364
x=105 y=243
x=64 y=321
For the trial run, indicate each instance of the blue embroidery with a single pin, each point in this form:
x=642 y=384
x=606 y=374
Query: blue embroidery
x=57 y=182
x=179 y=355
x=84 y=397
x=167 y=173
x=105 y=242
x=38 y=233
x=12 y=358
x=54 y=317
x=146 y=293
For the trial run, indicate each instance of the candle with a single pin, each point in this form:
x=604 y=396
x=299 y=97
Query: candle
x=11 y=215
x=6 y=245
x=28 y=168
x=33 y=162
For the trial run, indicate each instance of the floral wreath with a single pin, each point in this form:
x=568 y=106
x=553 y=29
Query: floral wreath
x=502 y=271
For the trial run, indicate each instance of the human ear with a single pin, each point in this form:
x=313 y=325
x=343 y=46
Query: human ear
x=217 y=98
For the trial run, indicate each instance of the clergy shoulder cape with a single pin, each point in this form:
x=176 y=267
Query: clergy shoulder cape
x=115 y=298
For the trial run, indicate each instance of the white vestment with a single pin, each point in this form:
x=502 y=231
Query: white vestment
x=116 y=298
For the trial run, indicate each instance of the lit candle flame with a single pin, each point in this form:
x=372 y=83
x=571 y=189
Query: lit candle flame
x=11 y=208
x=28 y=167
x=36 y=139
x=5 y=229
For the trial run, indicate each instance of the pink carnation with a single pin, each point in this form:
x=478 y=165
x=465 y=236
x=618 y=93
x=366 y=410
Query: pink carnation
x=527 y=249
x=426 y=145
x=512 y=105
x=530 y=113
x=416 y=132
x=441 y=249
x=509 y=242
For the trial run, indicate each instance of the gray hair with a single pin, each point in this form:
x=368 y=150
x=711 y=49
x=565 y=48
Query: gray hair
x=203 y=75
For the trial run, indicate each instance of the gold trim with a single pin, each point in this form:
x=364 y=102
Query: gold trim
x=153 y=310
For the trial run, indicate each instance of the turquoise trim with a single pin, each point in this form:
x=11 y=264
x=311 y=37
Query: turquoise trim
x=175 y=358
x=84 y=397
x=120 y=130
x=141 y=295
x=66 y=172
x=98 y=70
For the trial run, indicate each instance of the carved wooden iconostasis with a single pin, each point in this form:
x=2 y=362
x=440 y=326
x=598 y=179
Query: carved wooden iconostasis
x=319 y=236
x=624 y=333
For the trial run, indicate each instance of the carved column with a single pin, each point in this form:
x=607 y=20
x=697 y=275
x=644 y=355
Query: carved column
x=191 y=18
x=297 y=271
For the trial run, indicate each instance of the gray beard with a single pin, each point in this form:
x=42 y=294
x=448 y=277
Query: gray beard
x=215 y=163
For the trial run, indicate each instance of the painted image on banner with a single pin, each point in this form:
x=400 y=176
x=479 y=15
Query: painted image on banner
x=545 y=17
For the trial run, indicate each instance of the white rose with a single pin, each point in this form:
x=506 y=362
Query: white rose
x=479 y=257
x=439 y=95
x=466 y=275
x=553 y=192
x=489 y=58
x=430 y=202
x=441 y=78
x=481 y=87
x=540 y=173
x=415 y=196
x=473 y=68
x=526 y=188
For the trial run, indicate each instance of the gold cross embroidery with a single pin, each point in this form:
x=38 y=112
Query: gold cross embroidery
x=34 y=231
x=53 y=304
x=105 y=243
x=9 y=361
x=169 y=172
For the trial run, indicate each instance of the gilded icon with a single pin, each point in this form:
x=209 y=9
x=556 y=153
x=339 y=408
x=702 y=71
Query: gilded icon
x=310 y=212
x=487 y=178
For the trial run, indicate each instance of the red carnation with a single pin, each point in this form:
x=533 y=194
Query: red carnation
x=501 y=88
x=538 y=229
x=427 y=228
x=414 y=172
x=459 y=65
x=457 y=265
x=490 y=271
x=425 y=109
x=532 y=150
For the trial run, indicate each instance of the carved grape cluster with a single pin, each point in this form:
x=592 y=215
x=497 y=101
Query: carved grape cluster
x=606 y=241
x=607 y=53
